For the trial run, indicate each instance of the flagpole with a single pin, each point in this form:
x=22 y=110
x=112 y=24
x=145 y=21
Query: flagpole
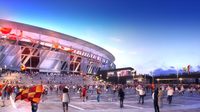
x=177 y=75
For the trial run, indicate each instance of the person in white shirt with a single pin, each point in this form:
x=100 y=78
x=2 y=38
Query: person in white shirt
x=170 y=93
x=65 y=99
x=182 y=90
x=141 y=92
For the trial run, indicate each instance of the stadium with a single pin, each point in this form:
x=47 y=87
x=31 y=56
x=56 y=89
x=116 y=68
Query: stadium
x=37 y=49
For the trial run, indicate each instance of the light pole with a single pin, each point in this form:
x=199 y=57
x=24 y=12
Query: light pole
x=177 y=75
x=152 y=77
x=181 y=79
x=118 y=75
x=145 y=78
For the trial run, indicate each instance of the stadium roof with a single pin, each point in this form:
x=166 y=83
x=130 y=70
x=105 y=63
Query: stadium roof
x=87 y=45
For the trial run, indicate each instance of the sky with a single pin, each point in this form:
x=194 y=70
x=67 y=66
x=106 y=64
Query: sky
x=143 y=34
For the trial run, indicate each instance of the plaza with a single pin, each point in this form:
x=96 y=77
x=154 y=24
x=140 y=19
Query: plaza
x=52 y=103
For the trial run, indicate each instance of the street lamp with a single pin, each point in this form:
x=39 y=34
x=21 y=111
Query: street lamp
x=107 y=77
x=100 y=76
x=158 y=80
x=181 y=79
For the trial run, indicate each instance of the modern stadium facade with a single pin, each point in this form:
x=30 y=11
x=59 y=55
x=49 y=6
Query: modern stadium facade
x=44 y=50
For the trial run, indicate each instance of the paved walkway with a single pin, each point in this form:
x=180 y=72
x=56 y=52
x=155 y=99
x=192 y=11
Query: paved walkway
x=53 y=104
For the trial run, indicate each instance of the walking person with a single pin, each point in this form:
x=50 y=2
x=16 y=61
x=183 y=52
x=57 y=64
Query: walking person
x=16 y=90
x=121 y=95
x=155 y=100
x=160 y=97
x=51 y=89
x=182 y=90
x=141 y=92
x=170 y=92
x=114 y=93
x=8 y=91
x=65 y=99
x=98 y=94
x=84 y=93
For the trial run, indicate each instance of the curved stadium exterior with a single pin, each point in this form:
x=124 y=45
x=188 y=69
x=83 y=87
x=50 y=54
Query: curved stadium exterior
x=45 y=50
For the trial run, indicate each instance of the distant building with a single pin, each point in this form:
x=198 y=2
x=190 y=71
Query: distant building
x=120 y=75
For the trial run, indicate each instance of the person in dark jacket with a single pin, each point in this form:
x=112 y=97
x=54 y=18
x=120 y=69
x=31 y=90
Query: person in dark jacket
x=34 y=106
x=98 y=94
x=121 y=97
x=155 y=100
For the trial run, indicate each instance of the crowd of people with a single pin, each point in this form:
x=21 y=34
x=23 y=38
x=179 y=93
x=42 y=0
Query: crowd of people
x=85 y=86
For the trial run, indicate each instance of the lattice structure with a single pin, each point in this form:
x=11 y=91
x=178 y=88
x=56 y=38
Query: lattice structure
x=48 y=51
